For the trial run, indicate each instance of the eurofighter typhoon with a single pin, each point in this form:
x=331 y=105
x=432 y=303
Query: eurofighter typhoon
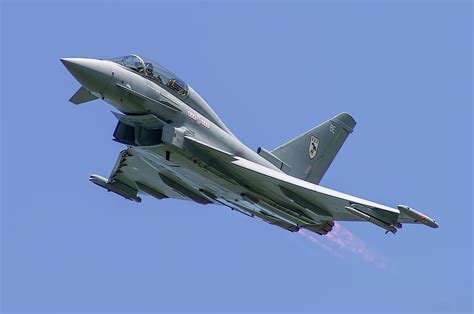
x=177 y=147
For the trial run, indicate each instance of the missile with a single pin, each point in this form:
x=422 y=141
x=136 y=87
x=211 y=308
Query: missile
x=417 y=216
x=117 y=187
x=371 y=219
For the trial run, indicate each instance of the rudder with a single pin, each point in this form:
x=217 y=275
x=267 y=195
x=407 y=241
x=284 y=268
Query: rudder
x=310 y=154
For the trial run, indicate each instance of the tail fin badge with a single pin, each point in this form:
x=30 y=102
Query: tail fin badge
x=313 y=146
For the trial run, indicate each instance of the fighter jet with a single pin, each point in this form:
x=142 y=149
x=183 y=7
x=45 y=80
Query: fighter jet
x=177 y=147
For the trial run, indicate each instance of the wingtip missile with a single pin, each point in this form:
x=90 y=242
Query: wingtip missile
x=117 y=187
x=417 y=216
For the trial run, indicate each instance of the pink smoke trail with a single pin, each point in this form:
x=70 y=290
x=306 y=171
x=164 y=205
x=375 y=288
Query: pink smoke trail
x=308 y=235
x=341 y=239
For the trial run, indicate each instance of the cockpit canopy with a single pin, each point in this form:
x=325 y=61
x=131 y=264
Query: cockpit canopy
x=155 y=72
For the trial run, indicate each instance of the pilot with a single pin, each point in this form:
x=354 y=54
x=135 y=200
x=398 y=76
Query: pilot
x=139 y=67
x=176 y=86
x=149 y=69
x=171 y=83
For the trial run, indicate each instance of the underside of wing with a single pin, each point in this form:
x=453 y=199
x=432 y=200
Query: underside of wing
x=260 y=202
x=132 y=176
x=321 y=203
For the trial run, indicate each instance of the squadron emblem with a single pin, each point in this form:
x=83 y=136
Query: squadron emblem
x=313 y=146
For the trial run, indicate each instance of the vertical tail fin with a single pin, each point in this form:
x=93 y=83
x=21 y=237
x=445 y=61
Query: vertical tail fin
x=310 y=154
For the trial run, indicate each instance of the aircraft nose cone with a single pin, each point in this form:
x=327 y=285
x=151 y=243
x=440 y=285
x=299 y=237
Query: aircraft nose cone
x=93 y=74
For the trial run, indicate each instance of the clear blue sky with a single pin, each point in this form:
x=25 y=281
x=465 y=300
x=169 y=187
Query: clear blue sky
x=271 y=70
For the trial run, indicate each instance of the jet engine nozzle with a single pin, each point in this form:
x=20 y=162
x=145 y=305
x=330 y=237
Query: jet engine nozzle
x=95 y=75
